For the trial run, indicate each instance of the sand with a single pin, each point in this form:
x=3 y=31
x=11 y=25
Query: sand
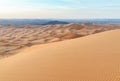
x=91 y=58
x=15 y=38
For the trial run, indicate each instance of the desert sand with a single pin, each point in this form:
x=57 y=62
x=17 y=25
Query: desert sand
x=90 y=58
x=15 y=38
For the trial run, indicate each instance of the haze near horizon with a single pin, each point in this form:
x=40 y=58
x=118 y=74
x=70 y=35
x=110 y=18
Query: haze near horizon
x=59 y=9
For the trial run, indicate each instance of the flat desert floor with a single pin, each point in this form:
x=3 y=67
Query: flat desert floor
x=90 y=58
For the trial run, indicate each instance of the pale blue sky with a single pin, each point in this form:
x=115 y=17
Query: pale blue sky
x=59 y=8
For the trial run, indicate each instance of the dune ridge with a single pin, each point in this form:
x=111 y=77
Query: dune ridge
x=15 y=38
x=91 y=58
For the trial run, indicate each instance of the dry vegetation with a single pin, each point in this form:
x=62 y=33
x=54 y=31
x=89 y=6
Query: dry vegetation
x=14 y=38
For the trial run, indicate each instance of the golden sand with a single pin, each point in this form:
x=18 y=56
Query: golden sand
x=91 y=58
x=15 y=38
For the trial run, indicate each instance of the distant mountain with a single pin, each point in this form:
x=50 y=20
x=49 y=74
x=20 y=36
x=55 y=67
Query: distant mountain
x=55 y=22
x=30 y=22
x=98 y=21
x=23 y=21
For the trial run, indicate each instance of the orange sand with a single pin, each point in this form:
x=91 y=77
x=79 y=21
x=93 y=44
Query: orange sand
x=91 y=58
x=15 y=38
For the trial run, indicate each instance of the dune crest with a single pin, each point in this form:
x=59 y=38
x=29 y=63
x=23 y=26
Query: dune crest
x=91 y=58
x=14 y=38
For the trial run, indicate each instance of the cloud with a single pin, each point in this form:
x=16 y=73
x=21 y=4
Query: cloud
x=112 y=5
x=71 y=1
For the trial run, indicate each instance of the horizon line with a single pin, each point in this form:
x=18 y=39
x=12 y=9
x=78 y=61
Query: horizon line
x=59 y=18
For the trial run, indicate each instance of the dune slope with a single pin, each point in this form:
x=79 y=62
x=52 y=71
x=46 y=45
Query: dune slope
x=91 y=58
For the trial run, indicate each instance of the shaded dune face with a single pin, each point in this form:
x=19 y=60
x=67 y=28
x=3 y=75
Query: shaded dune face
x=15 y=38
x=91 y=58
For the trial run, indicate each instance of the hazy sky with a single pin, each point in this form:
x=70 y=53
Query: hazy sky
x=59 y=8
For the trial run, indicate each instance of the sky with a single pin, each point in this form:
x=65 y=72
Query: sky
x=60 y=9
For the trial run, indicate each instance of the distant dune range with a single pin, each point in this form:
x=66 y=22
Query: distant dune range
x=15 y=38
x=91 y=58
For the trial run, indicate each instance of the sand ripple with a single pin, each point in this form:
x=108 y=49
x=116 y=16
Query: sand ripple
x=14 y=38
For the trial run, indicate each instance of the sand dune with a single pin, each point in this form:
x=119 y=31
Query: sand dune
x=91 y=58
x=14 y=38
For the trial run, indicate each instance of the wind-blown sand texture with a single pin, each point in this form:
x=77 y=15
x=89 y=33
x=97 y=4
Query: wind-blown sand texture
x=91 y=58
x=14 y=38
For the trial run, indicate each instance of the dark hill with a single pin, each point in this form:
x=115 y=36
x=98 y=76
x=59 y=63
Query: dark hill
x=55 y=22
